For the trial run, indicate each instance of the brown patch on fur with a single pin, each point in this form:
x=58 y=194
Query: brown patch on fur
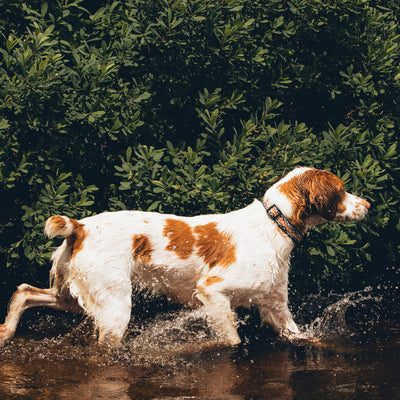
x=213 y=246
x=313 y=192
x=341 y=208
x=212 y=279
x=75 y=241
x=291 y=189
x=181 y=239
x=141 y=248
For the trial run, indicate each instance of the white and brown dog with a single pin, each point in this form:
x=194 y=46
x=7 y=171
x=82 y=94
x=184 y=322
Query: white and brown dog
x=220 y=261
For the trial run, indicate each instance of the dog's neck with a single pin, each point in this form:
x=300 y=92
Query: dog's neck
x=283 y=223
x=280 y=209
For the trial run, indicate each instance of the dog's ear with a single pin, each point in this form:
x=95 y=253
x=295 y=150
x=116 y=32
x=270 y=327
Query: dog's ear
x=324 y=202
x=322 y=189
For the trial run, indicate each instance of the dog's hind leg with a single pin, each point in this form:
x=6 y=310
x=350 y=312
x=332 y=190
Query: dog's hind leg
x=25 y=297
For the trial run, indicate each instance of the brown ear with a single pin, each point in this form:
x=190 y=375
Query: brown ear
x=322 y=190
x=324 y=202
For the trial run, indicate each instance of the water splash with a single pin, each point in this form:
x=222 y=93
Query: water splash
x=163 y=335
x=171 y=333
x=348 y=316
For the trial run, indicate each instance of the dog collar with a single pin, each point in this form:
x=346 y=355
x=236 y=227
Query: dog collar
x=276 y=215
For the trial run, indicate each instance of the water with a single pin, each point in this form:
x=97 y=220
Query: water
x=352 y=352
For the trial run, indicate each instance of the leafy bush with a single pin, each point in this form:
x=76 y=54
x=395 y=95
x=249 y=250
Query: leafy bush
x=197 y=106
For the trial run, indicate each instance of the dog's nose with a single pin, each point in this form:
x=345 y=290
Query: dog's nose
x=366 y=204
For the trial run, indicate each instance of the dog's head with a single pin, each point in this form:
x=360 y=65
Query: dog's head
x=308 y=197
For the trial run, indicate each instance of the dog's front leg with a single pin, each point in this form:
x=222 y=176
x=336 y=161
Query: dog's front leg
x=219 y=311
x=274 y=310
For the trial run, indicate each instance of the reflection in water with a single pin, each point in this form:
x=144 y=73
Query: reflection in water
x=176 y=356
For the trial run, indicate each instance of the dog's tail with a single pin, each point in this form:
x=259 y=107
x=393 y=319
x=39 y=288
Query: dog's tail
x=61 y=226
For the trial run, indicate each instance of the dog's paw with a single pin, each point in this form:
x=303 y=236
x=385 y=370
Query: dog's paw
x=299 y=338
x=228 y=338
x=234 y=340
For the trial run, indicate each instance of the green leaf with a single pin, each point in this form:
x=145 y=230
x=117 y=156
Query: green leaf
x=141 y=97
x=4 y=124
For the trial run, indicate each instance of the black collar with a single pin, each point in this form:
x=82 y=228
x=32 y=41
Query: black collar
x=276 y=215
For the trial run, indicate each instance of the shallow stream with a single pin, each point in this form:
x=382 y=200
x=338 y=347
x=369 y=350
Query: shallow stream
x=353 y=352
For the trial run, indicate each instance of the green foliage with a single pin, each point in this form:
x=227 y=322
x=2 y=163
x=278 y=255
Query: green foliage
x=215 y=175
x=197 y=106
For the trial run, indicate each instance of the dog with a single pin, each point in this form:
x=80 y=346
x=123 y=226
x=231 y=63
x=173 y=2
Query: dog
x=218 y=261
